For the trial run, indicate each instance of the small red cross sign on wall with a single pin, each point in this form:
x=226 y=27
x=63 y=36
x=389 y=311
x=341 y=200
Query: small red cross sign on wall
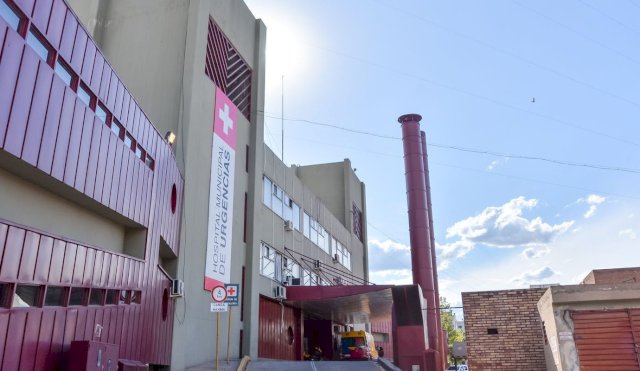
x=231 y=291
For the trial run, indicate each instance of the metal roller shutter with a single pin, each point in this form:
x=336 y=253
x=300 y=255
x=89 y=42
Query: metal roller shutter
x=607 y=340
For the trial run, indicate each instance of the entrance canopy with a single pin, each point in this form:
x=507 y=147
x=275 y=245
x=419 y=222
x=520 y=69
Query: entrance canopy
x=343 y=304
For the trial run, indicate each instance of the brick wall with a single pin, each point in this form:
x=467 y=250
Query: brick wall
x=616 y=275
x=519 y=342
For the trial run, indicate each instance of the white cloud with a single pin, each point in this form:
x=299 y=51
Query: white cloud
x=388 y=254
x=504 y=226
x=628 y=233
x=495 y=163
x=444 y=264
x=458 y=248
x=388 y=245
x=536 y=275
x=593 y=201
x=391 y=277
x=533 y=253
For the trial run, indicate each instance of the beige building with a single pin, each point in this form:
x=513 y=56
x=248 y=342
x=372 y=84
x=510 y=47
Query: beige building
x=300 y=225
x=592 y=326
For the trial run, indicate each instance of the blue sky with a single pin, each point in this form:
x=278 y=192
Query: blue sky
x=472 y=69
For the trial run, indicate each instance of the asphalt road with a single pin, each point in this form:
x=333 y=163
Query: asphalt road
x=259 y=365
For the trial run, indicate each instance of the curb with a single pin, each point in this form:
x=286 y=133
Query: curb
x=387 y=365
x=244 y=362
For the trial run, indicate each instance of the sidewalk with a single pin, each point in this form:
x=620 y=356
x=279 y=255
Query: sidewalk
x=222 y=366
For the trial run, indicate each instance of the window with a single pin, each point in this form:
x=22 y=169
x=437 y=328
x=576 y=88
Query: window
x=492 y=331
x=117 y=128
x=150 y=162
x=266 y=192
x=129 y=141
x=10 y=15
x=77 y=296
x=112 y=297
x=267 y=261
x=290 y=268
x=96 y=297
x=341 y=254
x=246 y=160
x=276 y=200
x=64 y=72
x=26 y=296
x=54 y=296
x=309 y=278
x=125 y=297
x=85 y=95
x=296 y=216
x=280 y=203
x=37 y=43
x=101 y=113
x=306 y=224
x=316 y=233
x=5 y=294
x=139 y=152
x=136 y=297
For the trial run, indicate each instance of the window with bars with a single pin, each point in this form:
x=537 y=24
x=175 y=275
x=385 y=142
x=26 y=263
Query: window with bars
x=226 y=68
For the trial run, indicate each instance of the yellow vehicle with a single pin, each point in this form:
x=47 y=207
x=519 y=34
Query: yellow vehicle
x=357 y=345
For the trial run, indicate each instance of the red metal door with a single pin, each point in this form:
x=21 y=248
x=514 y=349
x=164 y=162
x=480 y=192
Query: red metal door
x=280 y=333
x=607 y=340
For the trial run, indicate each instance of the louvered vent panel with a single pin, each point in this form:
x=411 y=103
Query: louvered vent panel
x=226 y=68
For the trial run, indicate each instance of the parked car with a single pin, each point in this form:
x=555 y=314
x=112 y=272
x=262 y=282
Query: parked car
x=458 y=368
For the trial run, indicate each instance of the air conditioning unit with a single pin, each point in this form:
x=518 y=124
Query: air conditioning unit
x=336 y=258
x=280 y=292
x=295 y=282
x=288 y=225
x=177 y=288
x=316 y=264
x=288 y=280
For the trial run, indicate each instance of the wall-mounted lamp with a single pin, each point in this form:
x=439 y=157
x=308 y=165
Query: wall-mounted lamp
x=170 y=137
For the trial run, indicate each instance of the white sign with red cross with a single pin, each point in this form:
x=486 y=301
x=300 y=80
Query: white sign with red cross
x=233 y=292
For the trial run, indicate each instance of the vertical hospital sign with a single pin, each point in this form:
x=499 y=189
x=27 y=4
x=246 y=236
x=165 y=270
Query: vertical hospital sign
x=223 y=154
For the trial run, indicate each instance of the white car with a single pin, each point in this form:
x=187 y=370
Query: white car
x=458 y=368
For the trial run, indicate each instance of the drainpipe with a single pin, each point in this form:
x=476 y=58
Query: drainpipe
x=419 y=235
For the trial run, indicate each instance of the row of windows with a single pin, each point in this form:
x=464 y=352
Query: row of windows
x=280 y=203
x=341 y=254
x=281 y=268
x=37 y=42
x=33 y=296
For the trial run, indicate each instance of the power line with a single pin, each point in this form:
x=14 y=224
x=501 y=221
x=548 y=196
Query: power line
x=481 y=97
x=602 y=45
x=613 y=19
x=513 y=55
x=484 y=172
x=466 y=149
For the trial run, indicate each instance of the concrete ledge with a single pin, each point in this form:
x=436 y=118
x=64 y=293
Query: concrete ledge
x=244 y=362
x=387 y=365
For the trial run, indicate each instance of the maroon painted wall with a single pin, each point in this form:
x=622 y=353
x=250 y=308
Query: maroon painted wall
x=274 y=321
x=50 y=133
x=384 y=327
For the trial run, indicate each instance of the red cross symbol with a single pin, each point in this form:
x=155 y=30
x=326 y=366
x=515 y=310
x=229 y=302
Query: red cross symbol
x=231 y=291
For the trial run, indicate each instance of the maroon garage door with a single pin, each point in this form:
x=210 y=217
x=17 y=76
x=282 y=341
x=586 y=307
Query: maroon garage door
x=608 y=340
x=280 y=333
